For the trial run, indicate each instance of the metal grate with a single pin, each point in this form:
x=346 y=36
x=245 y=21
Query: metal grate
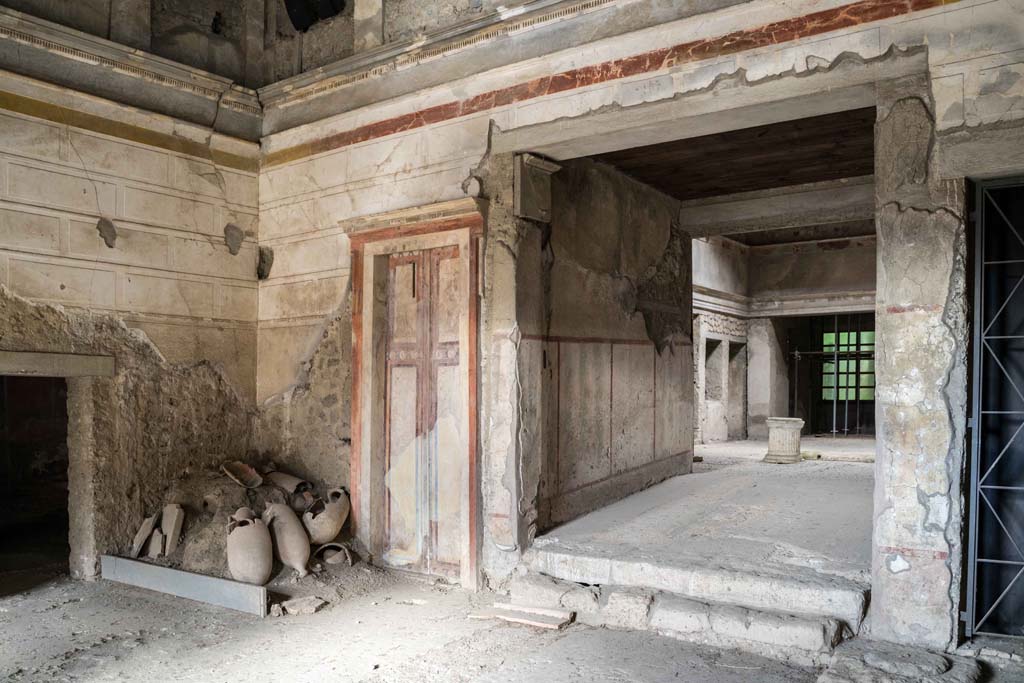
x=995 y=596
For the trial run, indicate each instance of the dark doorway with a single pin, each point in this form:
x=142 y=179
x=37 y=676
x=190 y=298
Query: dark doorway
x=34 y=476
x=996 y=560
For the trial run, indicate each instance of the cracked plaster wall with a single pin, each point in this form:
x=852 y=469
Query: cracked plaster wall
x=306 y=429
x=605 y=360
x=288 y=52
x=130 y=435
x=409 y=18
x=169 y=271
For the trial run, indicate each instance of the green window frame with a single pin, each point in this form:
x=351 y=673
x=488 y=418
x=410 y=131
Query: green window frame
x=850 y=378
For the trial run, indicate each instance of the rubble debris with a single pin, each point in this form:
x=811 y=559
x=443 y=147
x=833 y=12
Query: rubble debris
x=324 y=520
x=290 y=539
x=242 y=474
x=249 y=549
x=307 y=605
x=539 y=617
x=142 y=535
x=155 y=547
x=334 y=553
x=171 y=521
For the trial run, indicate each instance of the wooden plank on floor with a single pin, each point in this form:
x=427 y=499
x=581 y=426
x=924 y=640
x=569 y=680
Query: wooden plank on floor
x=519 y=615
x=242 y=597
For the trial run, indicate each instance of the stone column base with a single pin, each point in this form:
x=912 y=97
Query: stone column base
x=783 y=440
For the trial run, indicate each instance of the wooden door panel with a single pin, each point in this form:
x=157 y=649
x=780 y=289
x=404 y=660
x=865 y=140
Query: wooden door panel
x=449 y=457
x=402 y=468
x=406 y=372
x=426 y=395
x=404 y=318
x=448 y=298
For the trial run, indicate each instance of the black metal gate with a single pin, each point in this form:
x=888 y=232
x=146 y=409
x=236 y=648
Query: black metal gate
x=995 y=596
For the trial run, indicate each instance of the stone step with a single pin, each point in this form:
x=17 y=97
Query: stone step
x=800 y=591
x=799 y=638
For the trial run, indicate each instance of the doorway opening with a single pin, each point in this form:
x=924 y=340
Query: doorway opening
x=782 y=217
x=832 y=371
x=34 y=476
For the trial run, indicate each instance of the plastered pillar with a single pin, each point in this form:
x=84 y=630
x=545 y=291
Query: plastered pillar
x=920 y=365
x=767 y=378
x=507 y=500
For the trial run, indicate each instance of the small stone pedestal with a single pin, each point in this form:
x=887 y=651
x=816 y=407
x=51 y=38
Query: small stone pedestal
x=784 y=440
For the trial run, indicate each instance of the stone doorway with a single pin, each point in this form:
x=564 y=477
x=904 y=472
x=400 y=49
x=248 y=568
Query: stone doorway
x=34 y=474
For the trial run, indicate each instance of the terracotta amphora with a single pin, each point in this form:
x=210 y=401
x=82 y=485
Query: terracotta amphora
x=290 y=538
x=324 y=519
x=250 y=552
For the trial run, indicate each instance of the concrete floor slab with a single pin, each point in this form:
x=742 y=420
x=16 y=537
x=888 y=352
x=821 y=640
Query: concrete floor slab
x=807 y=519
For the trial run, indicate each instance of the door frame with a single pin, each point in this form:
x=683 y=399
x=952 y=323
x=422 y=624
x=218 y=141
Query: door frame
x=458 y=223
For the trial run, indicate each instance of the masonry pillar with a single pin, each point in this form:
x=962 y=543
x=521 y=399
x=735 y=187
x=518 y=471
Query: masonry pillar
x=368 y=25
x=767 y=376
x=920 y=365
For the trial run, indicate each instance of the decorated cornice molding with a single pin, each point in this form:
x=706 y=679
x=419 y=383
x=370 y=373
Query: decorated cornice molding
x=434 y=45
x=61 y=55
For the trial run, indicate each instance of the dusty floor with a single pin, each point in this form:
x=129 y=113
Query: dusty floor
x=388 y=628
x=851 y=449
x=735 y=510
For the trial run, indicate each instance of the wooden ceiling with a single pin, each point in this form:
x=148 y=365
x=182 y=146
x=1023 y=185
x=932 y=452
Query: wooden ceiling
x=794 y=152
x=806 y=233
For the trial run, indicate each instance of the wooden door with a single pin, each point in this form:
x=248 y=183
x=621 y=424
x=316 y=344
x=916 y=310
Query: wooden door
x=427 y=452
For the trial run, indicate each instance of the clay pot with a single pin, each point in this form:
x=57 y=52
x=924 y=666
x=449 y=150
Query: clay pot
x=290 y=538
x=250 y=552
x=242 y=474
x=243 y=513
x=287 y=482
x=302 y=501
x=324 y=520
x=334 y=553
x=299 y=491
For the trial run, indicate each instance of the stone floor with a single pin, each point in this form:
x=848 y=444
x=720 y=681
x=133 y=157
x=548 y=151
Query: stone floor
x=378 y=628
x=739 y=512
x=851 y=449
